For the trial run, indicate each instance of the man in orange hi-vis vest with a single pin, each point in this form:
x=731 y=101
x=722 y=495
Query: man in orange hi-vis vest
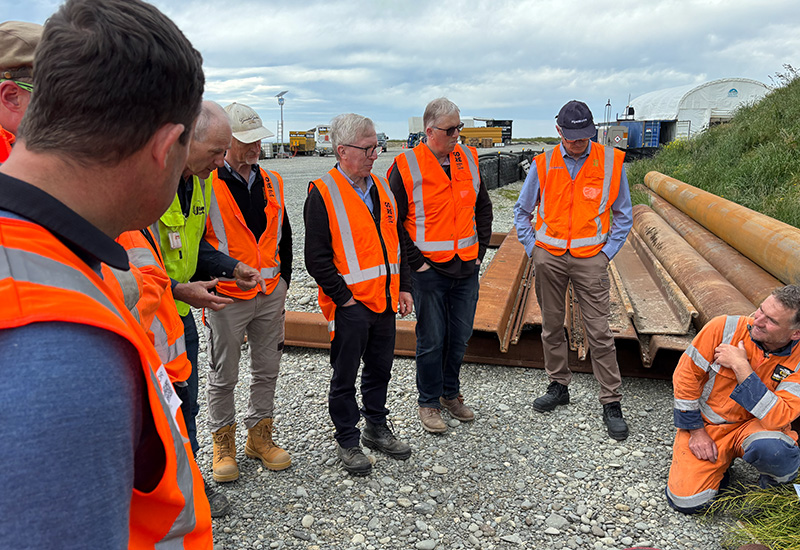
x=737 y=390
x=247 y=220
x=446 y=218
x=573 y=190
x=353 y=251
x=96 y=449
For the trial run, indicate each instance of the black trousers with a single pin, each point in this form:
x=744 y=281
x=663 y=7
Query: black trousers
x=360 y=333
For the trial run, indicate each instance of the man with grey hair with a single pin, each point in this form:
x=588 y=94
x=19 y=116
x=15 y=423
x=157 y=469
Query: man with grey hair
x=352 y=249
x=187 y=256
x=446 y=218
x=737 y=391
x=18 y=40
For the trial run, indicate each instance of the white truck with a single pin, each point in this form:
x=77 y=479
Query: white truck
x=323 y=139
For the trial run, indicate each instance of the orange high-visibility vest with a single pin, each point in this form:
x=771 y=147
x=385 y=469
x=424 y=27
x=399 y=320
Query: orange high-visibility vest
x=6 y=140
x=700 y=384
x=49 y=283
x=158 y=313
x=367 y=257
x=575 y=215
x=441 y=211
x=227 y=231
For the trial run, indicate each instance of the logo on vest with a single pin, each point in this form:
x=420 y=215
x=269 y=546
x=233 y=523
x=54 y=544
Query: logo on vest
x=389 y=212
x=199 y=210
x=591 y=193
x=458 y=159
x=780 y=373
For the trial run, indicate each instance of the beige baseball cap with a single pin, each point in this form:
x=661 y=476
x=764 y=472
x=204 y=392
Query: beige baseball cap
x=246 y=124
x=18 y=41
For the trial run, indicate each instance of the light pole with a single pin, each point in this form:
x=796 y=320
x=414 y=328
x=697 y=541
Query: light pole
x=280 y=102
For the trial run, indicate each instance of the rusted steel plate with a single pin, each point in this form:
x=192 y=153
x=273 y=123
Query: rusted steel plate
x=651 y=292
x=309 y=330
x=772 y=244
x=497 y=239
x=532 y=315
x=752 y=281
x=709 y=291
x=499 y=288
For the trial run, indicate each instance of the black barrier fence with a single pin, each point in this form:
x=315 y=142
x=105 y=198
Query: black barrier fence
x=499 y=169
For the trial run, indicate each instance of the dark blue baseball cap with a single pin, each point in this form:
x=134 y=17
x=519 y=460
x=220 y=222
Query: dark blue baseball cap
x=576 y=122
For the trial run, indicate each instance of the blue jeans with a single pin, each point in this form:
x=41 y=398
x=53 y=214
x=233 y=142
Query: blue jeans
x=188 y=393
x=445 y=312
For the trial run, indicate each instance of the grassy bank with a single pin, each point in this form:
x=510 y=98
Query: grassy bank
x=754 y=160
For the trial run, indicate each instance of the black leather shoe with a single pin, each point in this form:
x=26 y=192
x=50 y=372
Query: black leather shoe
x=612 y=416
x=218 y=502
x=354 y=460
x=381 y=438
x=557 y=394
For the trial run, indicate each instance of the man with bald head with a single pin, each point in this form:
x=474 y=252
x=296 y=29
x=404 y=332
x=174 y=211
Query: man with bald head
x=180 y=231
x=18 y=41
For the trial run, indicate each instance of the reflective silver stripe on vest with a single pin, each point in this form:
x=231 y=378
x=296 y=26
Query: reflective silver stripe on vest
x=130 y=289
x=331 y=325
x=355 y=275
x=143 y=257
x=186 y=520
x=727 y=337
x=789 y=387
x=270 y=272
x=33 y=268
x=215 y=217
x=420 y=242
x=166 y=352
x=687 y=404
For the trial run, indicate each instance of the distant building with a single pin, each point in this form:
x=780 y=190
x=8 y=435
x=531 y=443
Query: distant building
x=695 y=107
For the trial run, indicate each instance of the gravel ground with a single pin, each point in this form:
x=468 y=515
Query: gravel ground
x=514 y=478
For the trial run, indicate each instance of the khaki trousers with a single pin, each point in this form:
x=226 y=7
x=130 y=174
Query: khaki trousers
x=262 y=318
x=590 y=282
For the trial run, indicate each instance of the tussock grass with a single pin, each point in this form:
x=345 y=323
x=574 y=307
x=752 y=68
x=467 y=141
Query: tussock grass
x=754 y=160
x=771 y=516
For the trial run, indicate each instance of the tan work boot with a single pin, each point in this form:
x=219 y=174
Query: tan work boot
x=457 y=408
x=224 y=465
x=260 y=445
x=431 y=419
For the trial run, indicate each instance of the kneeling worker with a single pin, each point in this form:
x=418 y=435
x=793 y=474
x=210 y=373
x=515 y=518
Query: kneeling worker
x=737 y=390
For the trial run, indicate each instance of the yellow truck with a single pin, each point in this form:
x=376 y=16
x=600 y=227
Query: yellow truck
x=302 y=142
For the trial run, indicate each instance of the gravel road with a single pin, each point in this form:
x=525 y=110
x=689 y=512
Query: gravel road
x=514 y=478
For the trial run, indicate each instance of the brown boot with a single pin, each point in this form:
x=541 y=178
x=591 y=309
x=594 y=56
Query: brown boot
x=431 y=419
x=259 y=445
x=457 y=408
x=224 y=465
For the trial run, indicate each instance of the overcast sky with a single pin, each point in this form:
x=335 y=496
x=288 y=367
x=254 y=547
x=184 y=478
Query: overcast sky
x=518 y=60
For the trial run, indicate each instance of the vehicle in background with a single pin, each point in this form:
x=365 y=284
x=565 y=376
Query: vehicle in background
x=302 y=143
x=414 y=139
x=383 y=141
x=323 y=140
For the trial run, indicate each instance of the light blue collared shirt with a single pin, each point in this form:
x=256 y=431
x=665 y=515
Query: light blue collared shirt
x=621 y=209
x=238 y=176
x=365 y=195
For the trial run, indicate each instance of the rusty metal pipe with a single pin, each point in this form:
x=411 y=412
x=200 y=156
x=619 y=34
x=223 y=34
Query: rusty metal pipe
x=772 y=244
x=705 y=287
x=752 y=281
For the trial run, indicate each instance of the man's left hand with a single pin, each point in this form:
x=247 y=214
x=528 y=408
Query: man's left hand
x=734 y=358
x=247 y=278
x=405 y=304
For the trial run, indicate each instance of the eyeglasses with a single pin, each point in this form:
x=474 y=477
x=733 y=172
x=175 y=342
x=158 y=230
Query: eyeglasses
x=368 y=151
x=452 y=130
x=24 y=85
